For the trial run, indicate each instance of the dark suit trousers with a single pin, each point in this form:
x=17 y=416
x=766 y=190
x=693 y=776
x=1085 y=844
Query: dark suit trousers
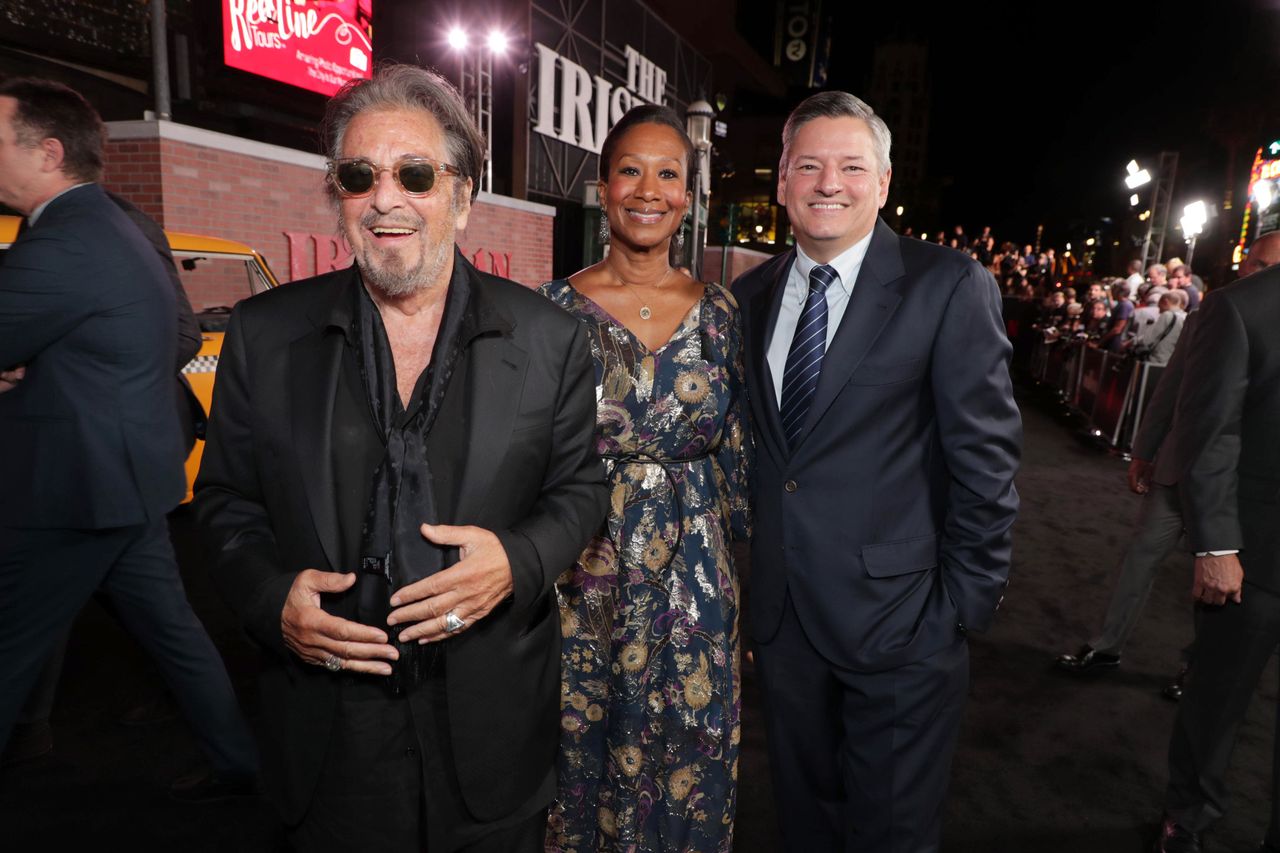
x=860 y=760
x=47 y=575
x=1158 y=530
x=388 y=783
x=1233 y=644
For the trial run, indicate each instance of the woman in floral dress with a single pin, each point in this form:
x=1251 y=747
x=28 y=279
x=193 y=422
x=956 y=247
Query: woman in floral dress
x=650 y=686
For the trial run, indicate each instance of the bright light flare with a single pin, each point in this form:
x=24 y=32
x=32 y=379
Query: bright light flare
x=1194 y=216
x=1136 y=177
x=1133 y=200
x=1264 y=192
x=900 y=209
x=497 y=41
x=1141 y=178
x=457 y=38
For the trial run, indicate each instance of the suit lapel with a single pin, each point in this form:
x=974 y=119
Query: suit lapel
x=870 y=306
x=765 y=304
x=315 y=362
x=495 y=375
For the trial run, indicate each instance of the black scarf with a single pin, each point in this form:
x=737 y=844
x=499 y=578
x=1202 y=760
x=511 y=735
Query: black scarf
x=394 y=551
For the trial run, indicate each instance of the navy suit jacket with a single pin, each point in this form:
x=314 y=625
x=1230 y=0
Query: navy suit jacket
x=89 y=436
x=889 y=523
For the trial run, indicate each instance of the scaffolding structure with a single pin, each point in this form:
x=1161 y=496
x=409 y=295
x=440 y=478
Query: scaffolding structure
x=1161 y=206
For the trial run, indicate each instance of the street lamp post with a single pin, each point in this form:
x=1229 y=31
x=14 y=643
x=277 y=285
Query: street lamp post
x=698 y=118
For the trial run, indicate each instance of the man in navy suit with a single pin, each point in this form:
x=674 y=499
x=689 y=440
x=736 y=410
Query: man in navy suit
x=888 y=440
x=92 y=453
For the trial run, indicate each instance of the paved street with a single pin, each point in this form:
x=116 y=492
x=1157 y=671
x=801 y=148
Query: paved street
x=1046 y=763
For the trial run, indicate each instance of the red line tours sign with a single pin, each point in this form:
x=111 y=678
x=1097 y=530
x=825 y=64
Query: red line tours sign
x=315 y=44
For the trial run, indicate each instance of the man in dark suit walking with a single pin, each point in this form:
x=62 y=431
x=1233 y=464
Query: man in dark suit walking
x=400 y=462
x=92 y=456
x=888 y=441
x=1227 y=419
x=1152 y=473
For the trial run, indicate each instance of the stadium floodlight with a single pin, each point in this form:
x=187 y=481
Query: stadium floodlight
x=1136 y=177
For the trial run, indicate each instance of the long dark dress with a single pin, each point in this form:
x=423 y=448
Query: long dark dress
x=650 y=686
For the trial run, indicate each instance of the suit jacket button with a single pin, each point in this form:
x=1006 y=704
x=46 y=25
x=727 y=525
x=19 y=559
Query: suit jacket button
x=790 y=485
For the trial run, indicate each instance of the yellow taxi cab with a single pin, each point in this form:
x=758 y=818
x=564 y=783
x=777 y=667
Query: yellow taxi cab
x=216 y=274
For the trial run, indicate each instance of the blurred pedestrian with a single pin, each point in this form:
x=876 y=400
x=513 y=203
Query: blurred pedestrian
x=94 y=454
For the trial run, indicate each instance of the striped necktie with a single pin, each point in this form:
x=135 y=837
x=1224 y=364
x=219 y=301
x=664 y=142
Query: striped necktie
x=804 y=361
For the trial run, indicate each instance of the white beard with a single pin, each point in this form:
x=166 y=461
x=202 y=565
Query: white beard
x=388 y=274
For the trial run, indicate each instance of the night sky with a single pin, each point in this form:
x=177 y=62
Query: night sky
x=1036 y=108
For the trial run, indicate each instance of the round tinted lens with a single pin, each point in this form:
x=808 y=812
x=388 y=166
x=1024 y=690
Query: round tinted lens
x=355 y=177
x=417 y=177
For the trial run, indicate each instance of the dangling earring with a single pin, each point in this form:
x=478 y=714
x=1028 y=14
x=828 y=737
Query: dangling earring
x=680 y=238
x=604 y=227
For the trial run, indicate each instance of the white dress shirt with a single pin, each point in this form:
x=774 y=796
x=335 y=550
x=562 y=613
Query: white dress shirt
x=796 y=291
x=39 y=209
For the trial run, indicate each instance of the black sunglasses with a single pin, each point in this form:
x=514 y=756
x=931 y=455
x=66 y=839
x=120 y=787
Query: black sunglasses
x=416 y=176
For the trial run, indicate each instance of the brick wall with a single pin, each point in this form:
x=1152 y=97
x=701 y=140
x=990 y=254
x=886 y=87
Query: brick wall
x=272 y=199
x=509 y=241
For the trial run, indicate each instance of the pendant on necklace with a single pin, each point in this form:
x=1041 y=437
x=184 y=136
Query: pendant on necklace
x=645 y=313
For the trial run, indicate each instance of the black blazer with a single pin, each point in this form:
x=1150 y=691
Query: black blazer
x=89 y=435
x=889 y=523
x=1228 y=426
x=527 y=470
x=192 y=418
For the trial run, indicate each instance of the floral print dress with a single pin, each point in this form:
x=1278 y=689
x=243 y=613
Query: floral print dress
x=650 y=697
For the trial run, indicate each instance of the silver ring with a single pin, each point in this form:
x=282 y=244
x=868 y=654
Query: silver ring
x=452 y=623
x=333 y=663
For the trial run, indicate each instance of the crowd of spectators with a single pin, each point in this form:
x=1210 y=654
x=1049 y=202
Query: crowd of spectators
x=1137 y=315
x=1048 y=294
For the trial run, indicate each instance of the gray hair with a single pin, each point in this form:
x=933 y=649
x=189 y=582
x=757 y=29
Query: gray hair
x=407 y=87
x=1160 y=268
x=837 y=105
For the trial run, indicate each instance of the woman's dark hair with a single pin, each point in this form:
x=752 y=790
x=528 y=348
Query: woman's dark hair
x=646 y=114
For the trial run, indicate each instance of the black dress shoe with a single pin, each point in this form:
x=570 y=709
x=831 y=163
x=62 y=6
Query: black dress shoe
x=205 y=786
x=1087 y=660
x=1177 y=839
x=1173 y=690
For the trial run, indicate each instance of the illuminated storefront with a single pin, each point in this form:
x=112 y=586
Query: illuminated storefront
x=1262 y=209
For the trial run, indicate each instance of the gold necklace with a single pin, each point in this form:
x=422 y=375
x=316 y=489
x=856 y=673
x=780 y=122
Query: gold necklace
x=645 y=312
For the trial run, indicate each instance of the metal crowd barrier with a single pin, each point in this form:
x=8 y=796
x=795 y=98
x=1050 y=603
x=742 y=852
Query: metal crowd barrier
x=1109 y=391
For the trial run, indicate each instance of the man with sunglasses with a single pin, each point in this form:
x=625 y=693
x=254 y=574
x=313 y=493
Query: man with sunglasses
x=399 y=464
